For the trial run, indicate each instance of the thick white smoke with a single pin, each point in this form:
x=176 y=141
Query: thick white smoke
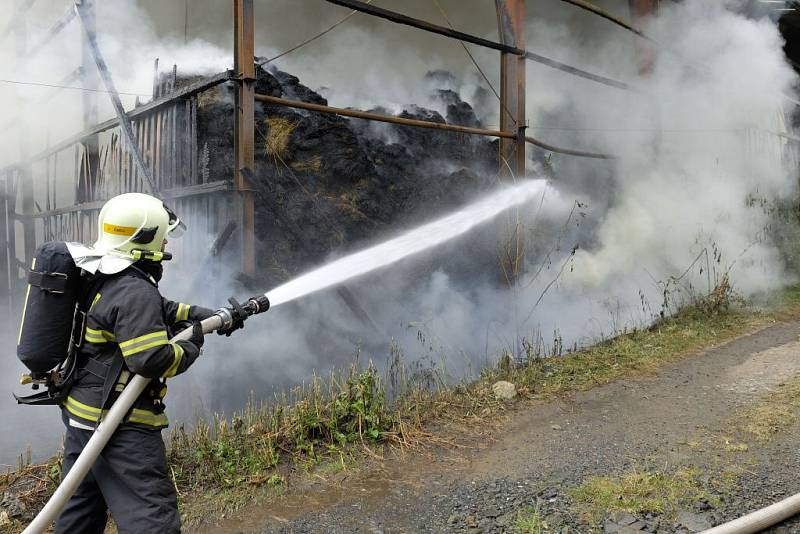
x=693 y=149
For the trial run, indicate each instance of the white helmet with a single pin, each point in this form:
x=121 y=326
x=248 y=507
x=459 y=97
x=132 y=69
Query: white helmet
x=134 y=225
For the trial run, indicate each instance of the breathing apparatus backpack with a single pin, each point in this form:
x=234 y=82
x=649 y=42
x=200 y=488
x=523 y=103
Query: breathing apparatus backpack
x=53 y=320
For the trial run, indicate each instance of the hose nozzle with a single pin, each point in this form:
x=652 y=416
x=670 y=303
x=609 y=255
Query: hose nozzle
x=256 y=305
x=233 y=317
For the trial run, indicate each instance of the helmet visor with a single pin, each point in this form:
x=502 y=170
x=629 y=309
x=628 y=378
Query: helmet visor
x=176 y=227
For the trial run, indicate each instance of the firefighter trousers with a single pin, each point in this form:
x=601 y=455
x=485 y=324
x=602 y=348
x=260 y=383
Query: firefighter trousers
x=129 y=479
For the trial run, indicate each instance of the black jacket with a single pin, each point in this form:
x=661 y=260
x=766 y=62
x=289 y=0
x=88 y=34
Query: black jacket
x=128 y=328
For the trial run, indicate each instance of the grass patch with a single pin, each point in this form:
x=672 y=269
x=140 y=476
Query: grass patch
x=776 y=412
x=529 y=521
x=628 y=354
x=335 y=422
x=729 y=444
x=309 y=423
x=763 y=421
x=754 y=424
x=639 y=492
x=790 y=297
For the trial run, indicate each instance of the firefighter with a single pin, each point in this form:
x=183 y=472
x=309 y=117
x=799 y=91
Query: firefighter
x=127 y=329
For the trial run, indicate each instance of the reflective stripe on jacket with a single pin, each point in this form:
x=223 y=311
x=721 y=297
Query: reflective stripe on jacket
x=130 y=320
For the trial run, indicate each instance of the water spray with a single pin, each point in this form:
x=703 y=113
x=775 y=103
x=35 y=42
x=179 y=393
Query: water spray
x=409 y=243
x=370 y=259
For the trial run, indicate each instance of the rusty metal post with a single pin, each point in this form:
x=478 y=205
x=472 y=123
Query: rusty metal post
x=26 y=175
x=645 y=50
x=91 y=82
x=244 y=129
x=511 y=24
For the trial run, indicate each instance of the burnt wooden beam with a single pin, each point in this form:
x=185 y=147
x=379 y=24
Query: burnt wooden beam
x=222 y=239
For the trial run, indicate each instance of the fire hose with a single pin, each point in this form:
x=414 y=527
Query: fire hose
x=760 y=519
x=222 y=318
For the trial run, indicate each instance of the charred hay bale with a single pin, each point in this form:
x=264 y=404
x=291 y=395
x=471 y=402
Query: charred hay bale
x=325 y=183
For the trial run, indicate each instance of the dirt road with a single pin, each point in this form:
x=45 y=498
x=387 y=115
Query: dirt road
x=688 y=414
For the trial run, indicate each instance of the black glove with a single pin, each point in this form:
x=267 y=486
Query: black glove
x=198 y=337
x=238 y=314
x=236 y=325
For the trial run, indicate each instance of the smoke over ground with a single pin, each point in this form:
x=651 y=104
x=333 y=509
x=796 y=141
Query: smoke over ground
x=699 y=160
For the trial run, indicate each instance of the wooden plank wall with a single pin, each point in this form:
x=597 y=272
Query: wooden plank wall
x=68 y=196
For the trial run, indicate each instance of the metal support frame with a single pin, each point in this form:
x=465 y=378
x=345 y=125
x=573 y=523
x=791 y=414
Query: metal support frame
x=244 y=129
x=398 y=18
x=563 y=67
x=511 y=26
x=602 y=13
x=382 y=118
x=513 y=13
x=267 y=99
x=511 y=156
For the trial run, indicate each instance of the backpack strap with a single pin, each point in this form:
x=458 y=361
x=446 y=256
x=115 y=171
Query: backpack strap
x=50 y=282
x=86 y=294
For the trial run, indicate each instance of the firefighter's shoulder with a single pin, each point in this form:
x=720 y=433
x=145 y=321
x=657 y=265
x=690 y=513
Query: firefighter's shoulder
x=130 y=288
